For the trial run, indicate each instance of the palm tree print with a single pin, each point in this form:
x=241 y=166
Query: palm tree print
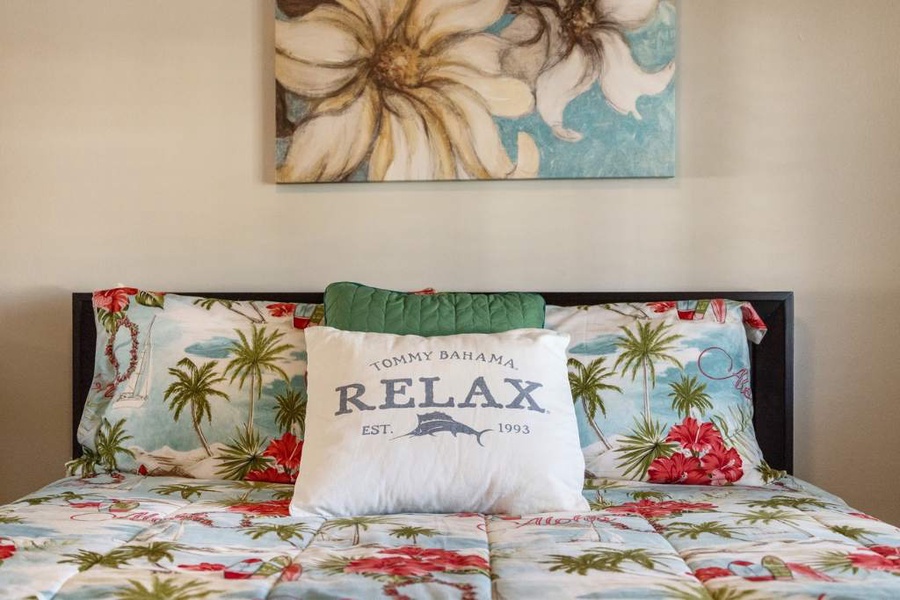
x=85 y=559
x=153 y=552
x=768 y=473
x=185 y=490
x=208 y=303
x=85 y=465
x=243 y=454
x=412 y=533
x=271 y=491
x=688 y=396
x=357 y=523
x=646 y=443
x=38 y=500
x=768 y=517
x=109 y=442
x=857 y=534
x=787 y=501
x=8 y=519
x=649 y=495
x=164 y=589
x=193 y=387
x=644 y=349
x=603 y=560
x=290 y=410
x=253 y=356
x=695 y=530
x=586 y=383
x=285 y=532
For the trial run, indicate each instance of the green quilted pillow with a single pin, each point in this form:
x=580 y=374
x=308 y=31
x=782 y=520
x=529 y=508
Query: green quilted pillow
x=356 y=307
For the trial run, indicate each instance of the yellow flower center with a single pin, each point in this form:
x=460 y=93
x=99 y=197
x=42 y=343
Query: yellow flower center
x=398 y=66
x=581 y=21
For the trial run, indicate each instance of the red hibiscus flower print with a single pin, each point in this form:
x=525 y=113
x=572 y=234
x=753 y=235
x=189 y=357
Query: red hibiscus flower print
x=751 y=318
x=454 y=561
x=449 y=560
x=84 y=504
x=413 y=561
x=723 y=465
x=7 y=549
x=393 y=565
x=281 y=309
x=204 y=566
x=272 y=475
x=651 y=508
x=695 y=436
x=114 y=300
x=661 y=307
x=707 y=573
x=874 y=560
x=864 y=516
x=678 y=468
x=269 y=508
x=883 y=558
x=286 y=451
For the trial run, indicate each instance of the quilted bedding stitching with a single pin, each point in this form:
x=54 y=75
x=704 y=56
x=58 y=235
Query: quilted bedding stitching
x=111 y=537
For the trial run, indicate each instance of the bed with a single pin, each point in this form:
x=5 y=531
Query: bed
x=130 y=535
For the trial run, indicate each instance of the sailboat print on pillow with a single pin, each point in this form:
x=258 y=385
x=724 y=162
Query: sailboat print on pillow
x=208 y=388
x=137 y=387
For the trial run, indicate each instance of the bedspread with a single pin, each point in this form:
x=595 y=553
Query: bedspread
x=133 y=537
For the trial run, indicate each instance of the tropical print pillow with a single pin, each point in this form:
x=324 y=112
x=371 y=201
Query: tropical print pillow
x=662 y=390
x=196 y=387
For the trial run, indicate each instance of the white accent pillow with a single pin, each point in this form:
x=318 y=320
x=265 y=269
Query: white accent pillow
x=462 y=423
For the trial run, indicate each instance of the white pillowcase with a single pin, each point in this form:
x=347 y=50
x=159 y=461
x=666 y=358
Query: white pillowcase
x=463 y=423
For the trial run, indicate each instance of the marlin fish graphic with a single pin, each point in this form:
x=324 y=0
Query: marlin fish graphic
x=437 y=422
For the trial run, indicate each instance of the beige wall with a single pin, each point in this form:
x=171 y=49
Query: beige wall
x=135 y=146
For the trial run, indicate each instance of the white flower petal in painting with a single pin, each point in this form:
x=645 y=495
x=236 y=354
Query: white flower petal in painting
x=469 y=128
x=380 y=16
x=406 y=88
x=505 y=96
x=329 y=146
x=529 y=158
x=411 y=144
x=623 y=81
x=630 y=14
x=559 y=85
x=433 y=21
x=561 y=47
x=312 y=81
x=326 y=36
x=478 y=52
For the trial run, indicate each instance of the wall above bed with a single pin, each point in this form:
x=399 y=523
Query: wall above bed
x=136 y=147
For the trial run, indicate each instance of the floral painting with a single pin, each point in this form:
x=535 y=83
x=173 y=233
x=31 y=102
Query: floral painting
x=405 y=90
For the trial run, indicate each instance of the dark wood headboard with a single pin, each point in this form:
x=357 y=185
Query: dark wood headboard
x=772 y=361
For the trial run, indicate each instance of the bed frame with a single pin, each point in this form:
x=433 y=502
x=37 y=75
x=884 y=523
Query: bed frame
x=771 y=362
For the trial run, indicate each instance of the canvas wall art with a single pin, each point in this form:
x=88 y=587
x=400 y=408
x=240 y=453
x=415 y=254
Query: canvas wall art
x=411 y=90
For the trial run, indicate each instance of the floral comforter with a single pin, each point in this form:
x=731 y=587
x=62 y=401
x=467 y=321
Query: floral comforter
x=134 y=537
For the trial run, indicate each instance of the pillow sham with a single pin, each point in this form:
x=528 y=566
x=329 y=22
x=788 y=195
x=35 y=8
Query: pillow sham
x=195 y=387
x=463 y=423
x=662 y=390
x=356 y=307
